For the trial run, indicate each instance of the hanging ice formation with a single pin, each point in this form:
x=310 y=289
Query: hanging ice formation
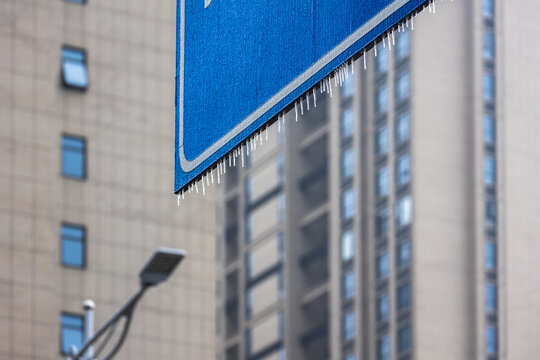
x=326 y=85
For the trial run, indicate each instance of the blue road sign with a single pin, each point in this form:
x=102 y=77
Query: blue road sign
x=240 y=63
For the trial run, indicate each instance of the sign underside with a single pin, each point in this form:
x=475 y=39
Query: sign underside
x=241 y=63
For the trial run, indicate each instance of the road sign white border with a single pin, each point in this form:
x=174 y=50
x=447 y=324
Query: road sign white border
x=187 y=165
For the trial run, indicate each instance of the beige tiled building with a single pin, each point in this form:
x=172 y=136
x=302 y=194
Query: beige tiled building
x=399 y=219
x=86 y=179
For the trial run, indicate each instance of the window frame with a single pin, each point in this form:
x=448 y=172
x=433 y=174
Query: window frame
x=65 y=84
x=84 y=156
x=83 y=241
x=61 y=337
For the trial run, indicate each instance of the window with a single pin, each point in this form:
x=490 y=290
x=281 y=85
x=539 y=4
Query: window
x=489 y=87
x=404 y=211
x=383 y=348
x=404 y=297
x=74 y=68
x=491 y=213
x=281 y=207
x=349 y=328
x=71 y=332
x=403 y=170
x=489 y=45
x=404 y=339
x=381 y=101
x=347 y=90
x=403 y=45
x=348 y=285
x=73 y=157
x=382 y=265
x=489 y=170
x=381 y=145
x=381 y=61
x=347 y=245
x=73 y=245
x=350 y=356
x=348 y=204
x=381 y=223
x=490 y=255
x=76 y=1
x=382 y=181
x=347 y=122
x=489 y=129
x=383 y=307
x=489 y=8
x=491 y=298
x=403 y=86
x=404 y=254
x=403 y=127
x=347 y=163
x=491 y=340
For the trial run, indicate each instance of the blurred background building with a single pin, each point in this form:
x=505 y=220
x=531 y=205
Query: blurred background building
x=86 y=180
x=398 y=219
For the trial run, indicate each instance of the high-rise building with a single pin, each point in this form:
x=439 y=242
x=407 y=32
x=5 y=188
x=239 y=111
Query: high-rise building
x=397 y=219
x=86 y=181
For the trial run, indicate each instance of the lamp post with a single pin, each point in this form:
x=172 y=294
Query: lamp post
x=156 y=270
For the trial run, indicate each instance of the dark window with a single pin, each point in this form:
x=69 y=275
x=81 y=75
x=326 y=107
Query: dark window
x=403 y=45
x=491 y=213
x=71 y=332
x=382 y=265
x=347 y=245
x=381 y=61
x=489 y=129
x=382 y=181
x=73 y=157
x=403 y=172
x=489 y=8
x=489 y=45
x=74 y=68
x=383 y=307
x=381 y=99
x=404 y=339
x=381 y=144
x=347 y=90
x=76 y=1
x=490 y=255
x=348 y=204
x=348 y=285
x=491 y=340
x=491 y=298
x=383 y=348
x=381 y=223
x=404 y=297
x=349 y=327
x=73 y=246
x=403 y=127
x=347 y=163
x=403 y=86
x=350 y=356
x=489 y=86
x=489 y=170
x=404 y=254
x=347 y=122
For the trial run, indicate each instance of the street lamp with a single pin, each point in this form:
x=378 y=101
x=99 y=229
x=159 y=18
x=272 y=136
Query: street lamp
x=156 y=270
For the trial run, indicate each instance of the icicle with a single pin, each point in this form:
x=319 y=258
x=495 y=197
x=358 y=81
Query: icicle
x=296 y=111
x=183 y=194
x=307 y=99
x=429 y=4
x=203 y=188
x=393 y=39
x=365 y=61
x=335 y=79
x=254 y=143
x=242 y=151
x=352 y=66
x=234 y=158
x=230 y=160
x=375 y=47
x=212 y=174
x=314 y=97
x=224 y=167
x=260 y=139
x=278 y=126
x=384 y=42
x=197 y=188
x=412 y=23
x=266 y=132
x=218 y=178
x=178 y=199
x=247 y=148
x=331 y=91
x=301 y=107
x=434 y=8
x=189 y=189
x=407 y=22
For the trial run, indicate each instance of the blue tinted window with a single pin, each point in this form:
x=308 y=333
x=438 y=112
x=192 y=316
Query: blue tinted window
x=348 y=285
x=403 y=170
x=404 y=296
x=349 y=327
x=489 y=45
x=350 y=356
x=404 y=339
x=404 y=211
x=74 y=68
x=490 y=255
x=489 y=129
x=489 y=170
x=347 y=122
x=76 y=1
x=489 y=86
x=71 y=332
x=491 y=298
x=382 y=140
x=491 y=213
x=383 y=348
x=382 y=265
x=348 y=204
x=403 y=86
x=347 y=163
x=381 y=223
x=383 y=307
x=491 y=340
x=281 y=207
x=73 y=157
x=73 y=245
x=382 y=181
x=403 y=44
x=347 y=89
x=381 y=101
x=404 y=254
x=381 y=60
x=347 y=245
x=403 y=128
x=489 y=8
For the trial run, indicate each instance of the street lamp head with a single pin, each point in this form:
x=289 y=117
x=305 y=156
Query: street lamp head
x=160 y=266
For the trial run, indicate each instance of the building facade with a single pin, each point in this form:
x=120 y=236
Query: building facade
x=395 y=220
x=86 y=181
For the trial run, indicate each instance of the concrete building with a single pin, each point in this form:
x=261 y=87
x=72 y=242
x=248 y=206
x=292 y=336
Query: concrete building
x=86 y=180
x=397 y=219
